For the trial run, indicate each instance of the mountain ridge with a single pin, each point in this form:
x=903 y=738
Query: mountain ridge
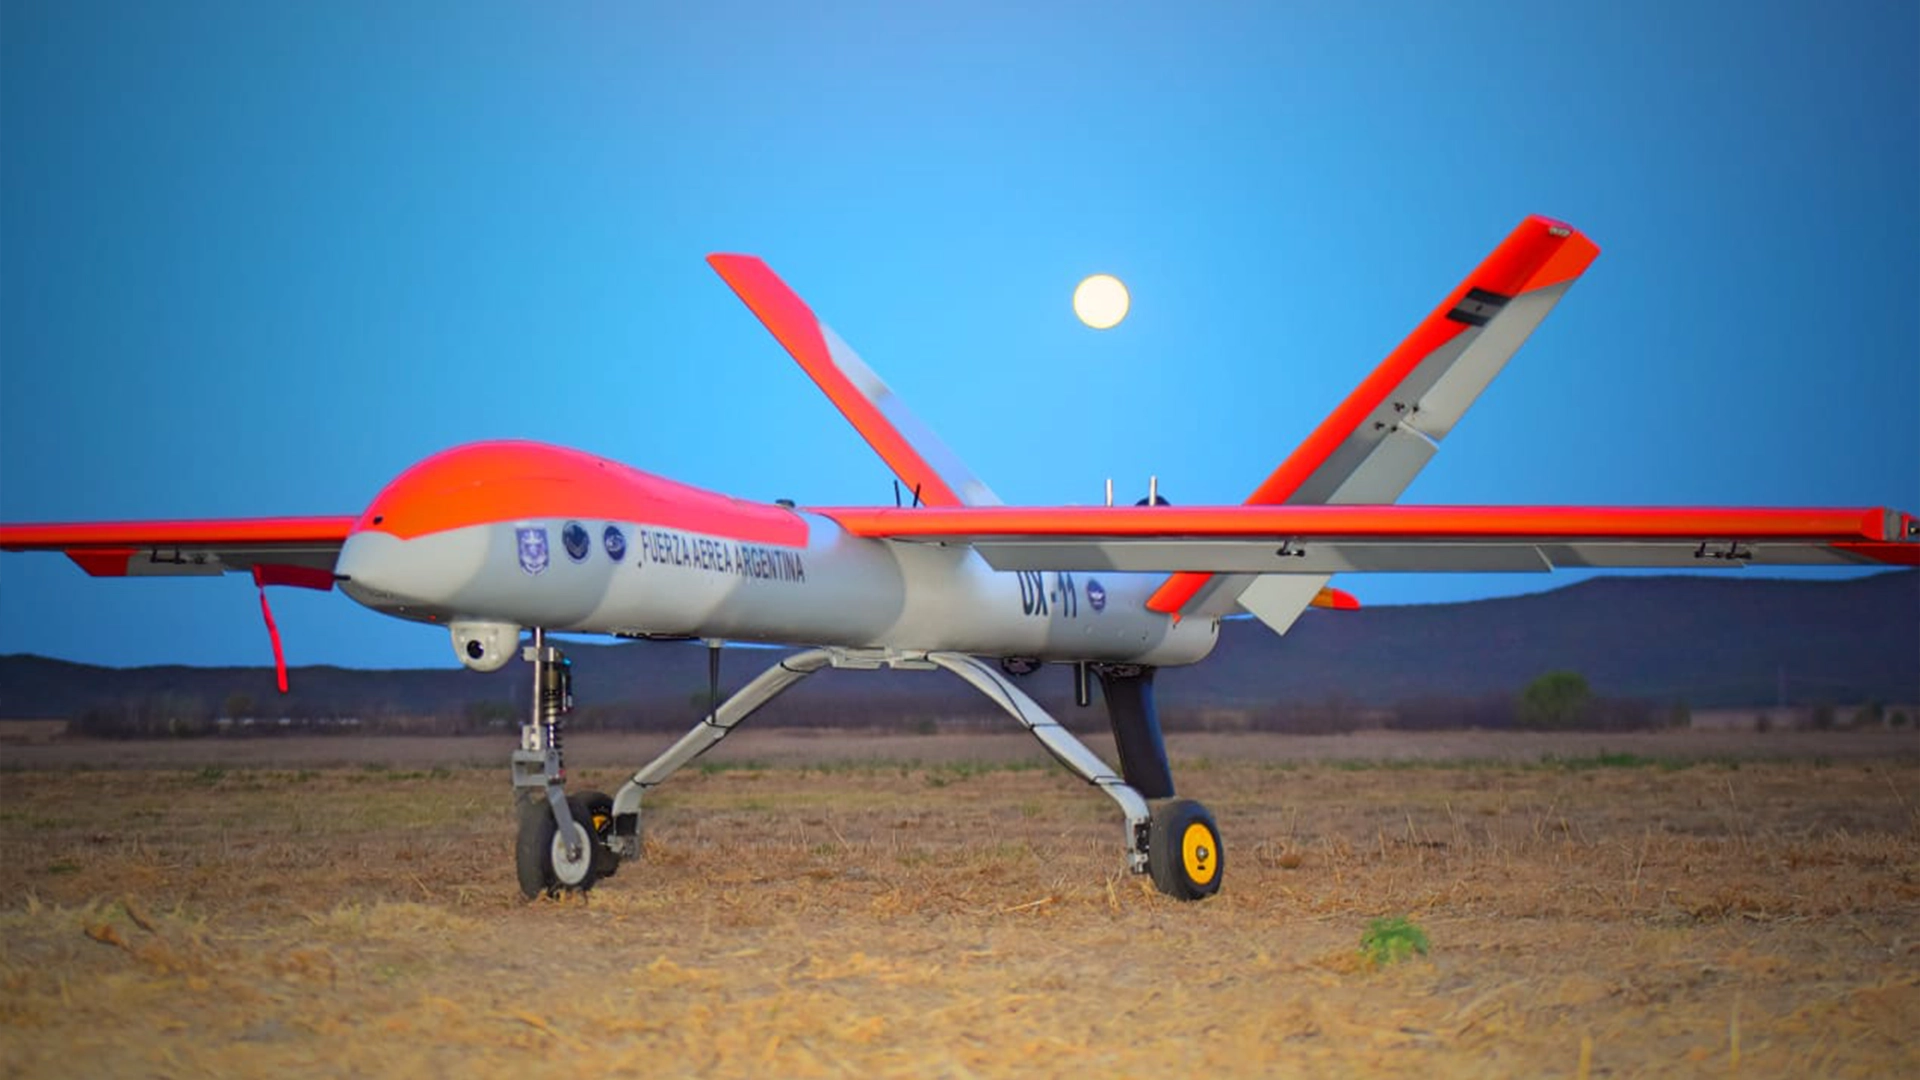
x=1667 y=639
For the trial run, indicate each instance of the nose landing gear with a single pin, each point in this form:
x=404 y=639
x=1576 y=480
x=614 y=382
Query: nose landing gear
x=562 y=843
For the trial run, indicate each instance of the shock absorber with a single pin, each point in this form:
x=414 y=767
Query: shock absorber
x=552 y=848
x=555 y=701
x=538 y=762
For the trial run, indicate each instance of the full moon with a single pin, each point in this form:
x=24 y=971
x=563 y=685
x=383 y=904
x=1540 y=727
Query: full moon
x=1101 y=301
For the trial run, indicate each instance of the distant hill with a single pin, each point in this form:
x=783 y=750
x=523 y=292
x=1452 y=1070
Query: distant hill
x=1721 y=641
x=1707 y=642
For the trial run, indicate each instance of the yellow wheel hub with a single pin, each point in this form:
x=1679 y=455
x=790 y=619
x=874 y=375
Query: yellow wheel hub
x=1200 y=853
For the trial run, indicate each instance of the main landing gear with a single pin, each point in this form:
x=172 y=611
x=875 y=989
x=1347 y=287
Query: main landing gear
x=566 y=844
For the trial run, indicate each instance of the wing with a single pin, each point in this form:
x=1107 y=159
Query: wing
x=931 y=471
x=1321 y=540
x=277 y=551
x=1370 y=448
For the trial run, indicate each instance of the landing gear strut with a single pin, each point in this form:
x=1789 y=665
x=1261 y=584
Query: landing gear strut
x=1174 y=840
x=566 y=844
x=562 y=842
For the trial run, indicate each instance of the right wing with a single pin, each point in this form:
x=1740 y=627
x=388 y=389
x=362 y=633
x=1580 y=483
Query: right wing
x=277 y=551
x=933 y=473
x=298 y=551
x=1371 y=447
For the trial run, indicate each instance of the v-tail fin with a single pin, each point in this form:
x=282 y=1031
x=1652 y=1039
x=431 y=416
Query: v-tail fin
x=1373 y=445
x=930 y=471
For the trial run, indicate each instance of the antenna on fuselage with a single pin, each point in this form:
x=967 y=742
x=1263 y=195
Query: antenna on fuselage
x=1109 y=491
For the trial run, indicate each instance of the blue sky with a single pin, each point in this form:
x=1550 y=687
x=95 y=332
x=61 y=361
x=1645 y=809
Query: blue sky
x=258 y=258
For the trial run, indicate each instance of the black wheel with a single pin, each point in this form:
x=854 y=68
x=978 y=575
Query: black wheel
x=546 y=862
x=594 y=809
x=532 y=847
x=1183 y=850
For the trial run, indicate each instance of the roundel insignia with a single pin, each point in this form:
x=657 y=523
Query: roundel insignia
x=574 y=539
x=616 y=543
x=1096 y=594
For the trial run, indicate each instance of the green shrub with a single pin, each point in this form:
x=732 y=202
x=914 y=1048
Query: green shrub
x=1557 y=699
x=1389 y=941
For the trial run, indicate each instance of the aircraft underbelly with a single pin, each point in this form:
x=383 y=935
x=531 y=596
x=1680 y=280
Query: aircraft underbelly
x=956 y=602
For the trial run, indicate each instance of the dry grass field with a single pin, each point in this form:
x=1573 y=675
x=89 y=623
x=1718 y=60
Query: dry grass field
x=900 y=906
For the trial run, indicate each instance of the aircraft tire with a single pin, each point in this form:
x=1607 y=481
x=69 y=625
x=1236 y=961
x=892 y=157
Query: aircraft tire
x=533 y=848
x=1184 y=853
x=537 y=849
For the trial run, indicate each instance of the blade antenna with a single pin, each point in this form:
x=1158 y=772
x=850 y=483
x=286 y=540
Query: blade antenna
x=896 y=494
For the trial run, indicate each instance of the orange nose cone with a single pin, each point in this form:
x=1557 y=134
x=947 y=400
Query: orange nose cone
x=491 y=482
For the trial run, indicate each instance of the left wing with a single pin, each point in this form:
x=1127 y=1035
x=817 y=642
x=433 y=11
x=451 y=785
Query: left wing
x=1343 y=539
x=277 y=551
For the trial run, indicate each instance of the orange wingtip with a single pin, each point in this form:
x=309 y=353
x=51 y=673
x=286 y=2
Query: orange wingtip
x=1893 y=553
x=1336 y=600
x=102 y=562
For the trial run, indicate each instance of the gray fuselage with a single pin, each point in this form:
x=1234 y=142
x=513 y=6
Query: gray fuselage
x=635 y=579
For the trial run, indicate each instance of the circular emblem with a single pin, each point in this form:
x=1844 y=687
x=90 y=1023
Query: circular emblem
x=574 y=539
x=616 y=542
x=1096 y=595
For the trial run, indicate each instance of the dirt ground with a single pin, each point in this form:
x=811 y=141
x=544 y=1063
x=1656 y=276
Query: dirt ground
x=818 y=905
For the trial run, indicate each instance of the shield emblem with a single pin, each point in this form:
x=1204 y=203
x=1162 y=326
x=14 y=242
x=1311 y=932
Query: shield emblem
x=533 y=548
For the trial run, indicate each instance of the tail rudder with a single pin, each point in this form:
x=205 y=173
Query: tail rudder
x=932 y=472
x=1372 y=446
